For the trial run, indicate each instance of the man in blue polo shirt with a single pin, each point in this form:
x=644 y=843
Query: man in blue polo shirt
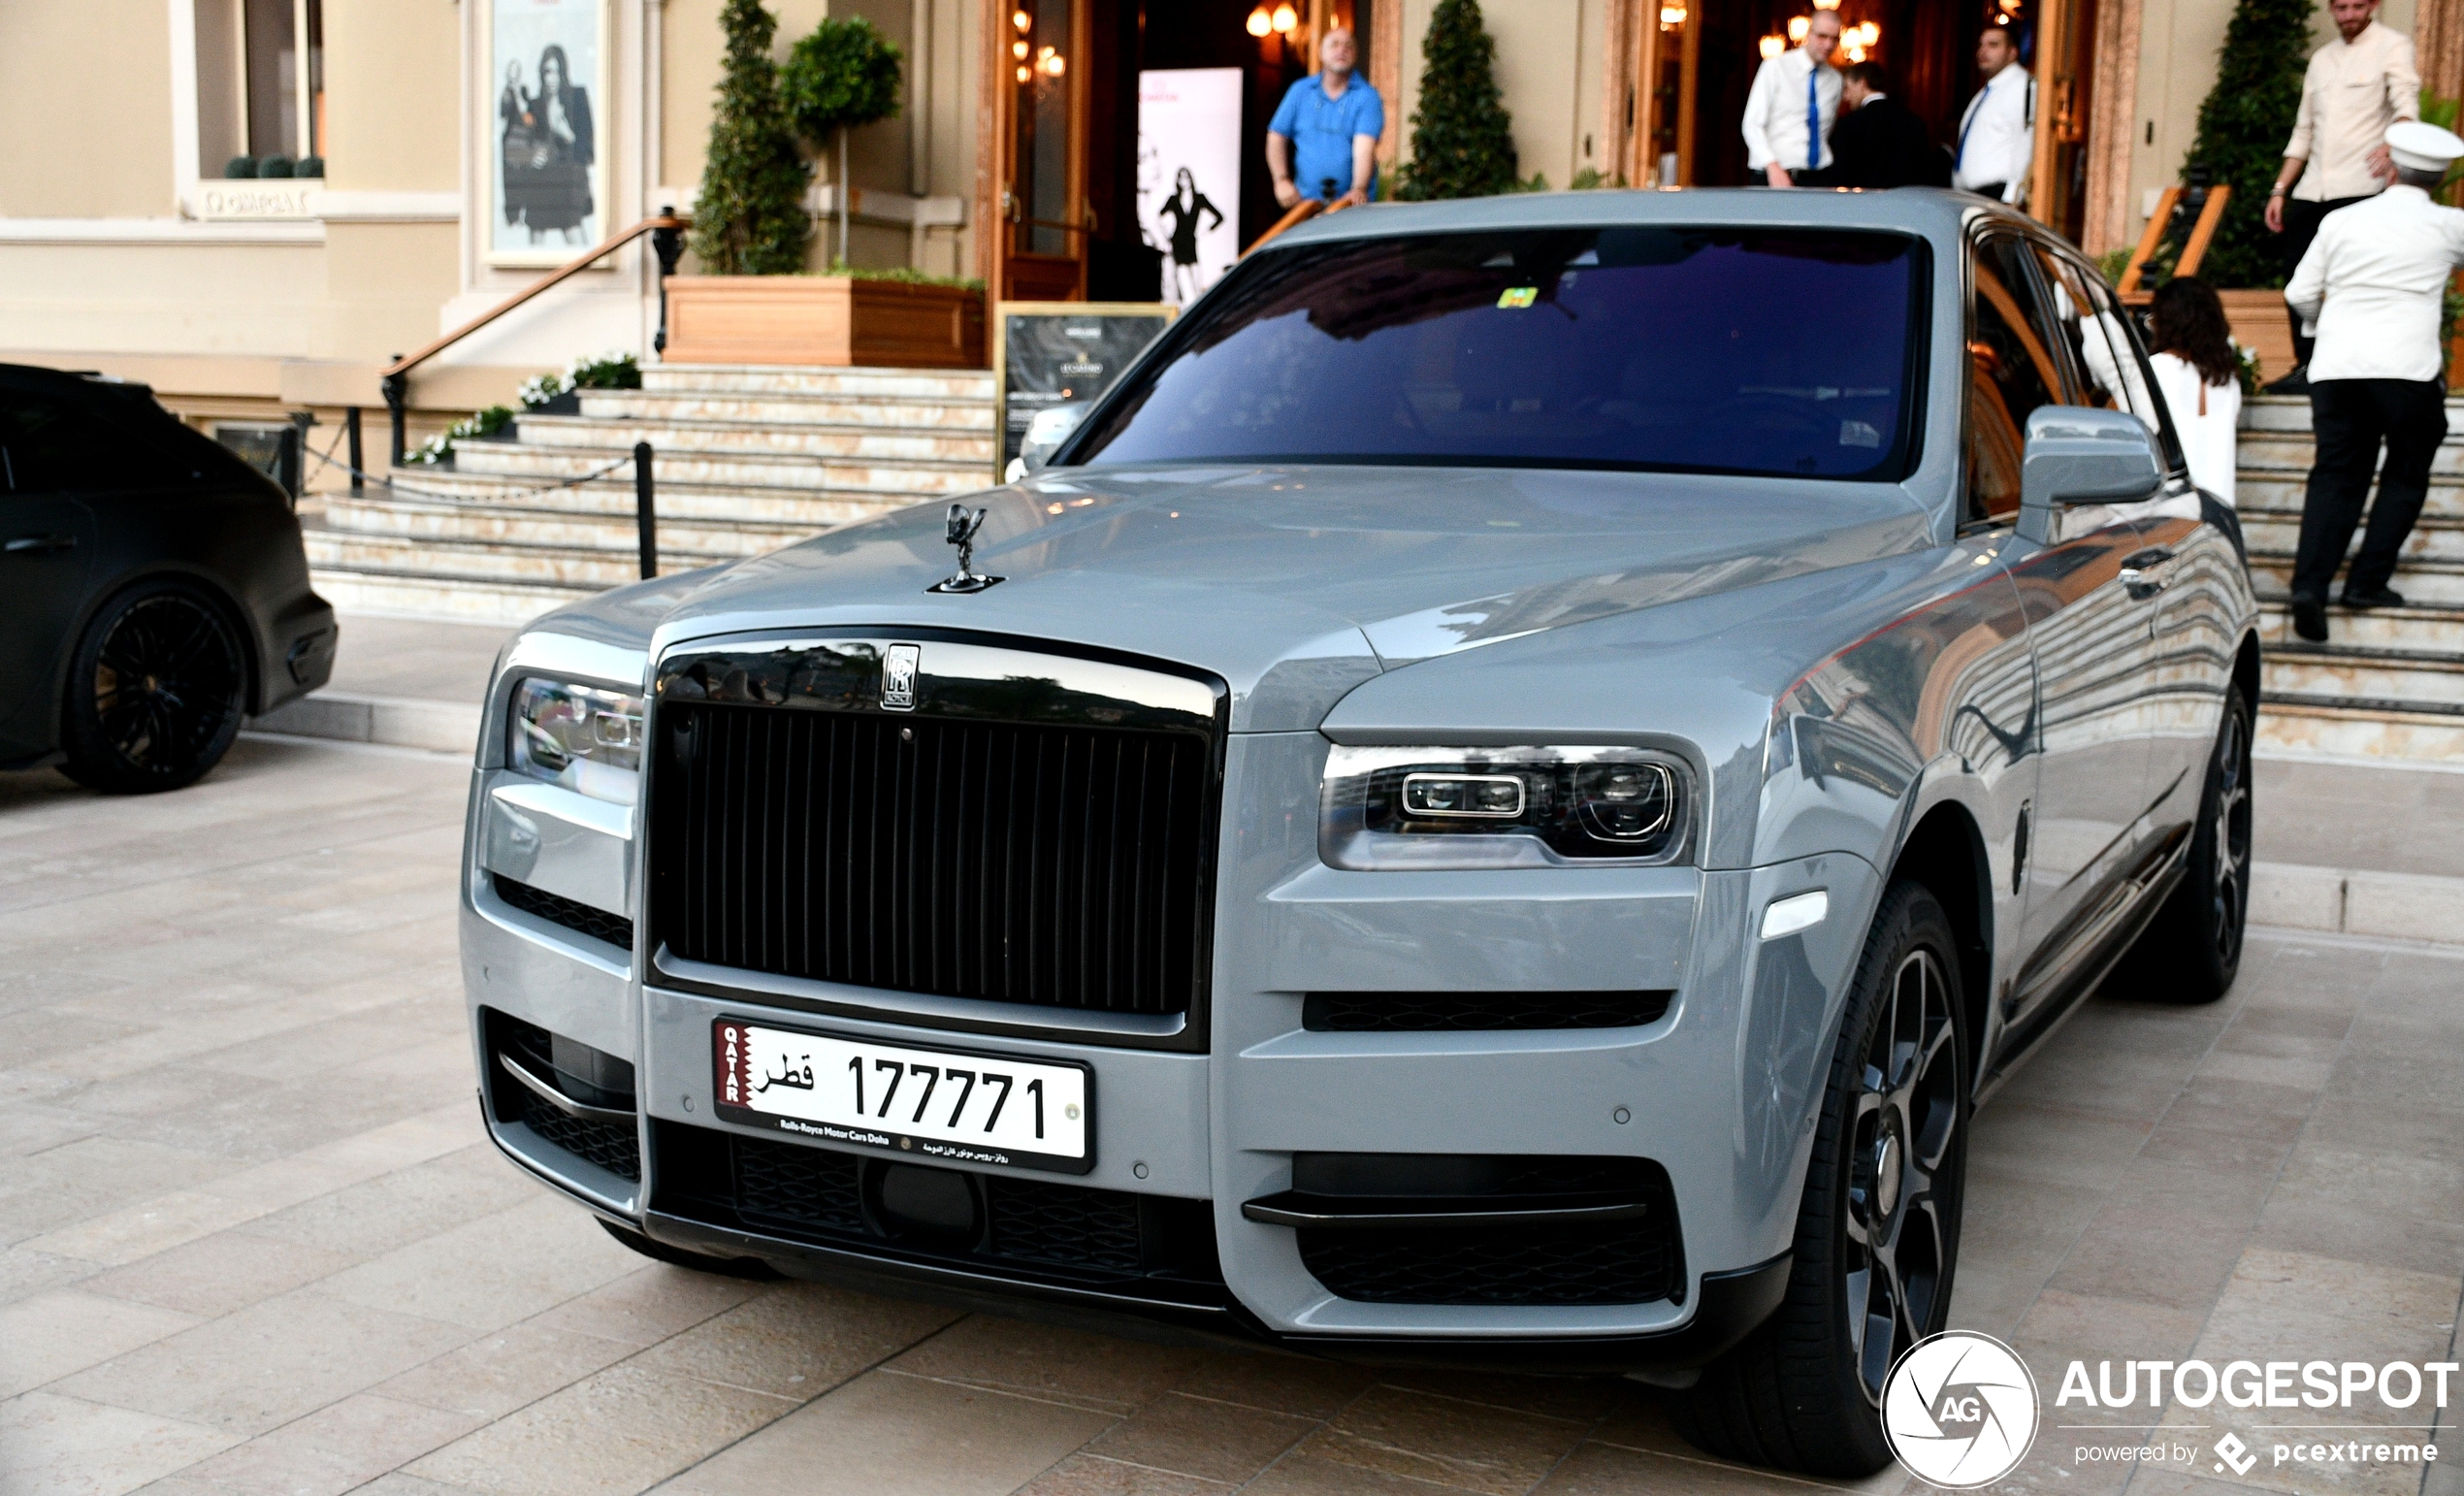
x=1331 y=123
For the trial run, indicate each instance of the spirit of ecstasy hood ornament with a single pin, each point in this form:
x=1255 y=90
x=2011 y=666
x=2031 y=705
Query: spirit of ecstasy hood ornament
x=964 y=523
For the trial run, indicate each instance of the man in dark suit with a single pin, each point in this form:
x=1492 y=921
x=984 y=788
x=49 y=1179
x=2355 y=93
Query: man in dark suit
x=1878 y=141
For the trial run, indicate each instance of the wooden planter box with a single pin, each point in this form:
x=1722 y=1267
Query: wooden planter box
x=823 y=319
x=2258 y=318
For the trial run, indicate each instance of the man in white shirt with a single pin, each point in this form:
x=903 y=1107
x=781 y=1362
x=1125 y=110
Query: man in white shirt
x=1790 y=110
x=2373 y=282
x=1998 y=135
x=2356 y=85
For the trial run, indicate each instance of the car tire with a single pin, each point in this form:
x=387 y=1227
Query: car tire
x=700 y=1262
x=1878 y=1233
x=2193 y=950
x=156 y=690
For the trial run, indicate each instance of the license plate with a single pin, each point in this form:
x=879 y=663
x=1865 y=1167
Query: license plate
x=950 y=1106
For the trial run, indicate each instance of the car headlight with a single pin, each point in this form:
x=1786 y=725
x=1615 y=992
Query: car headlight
x=582 y=737
x=1502 y=807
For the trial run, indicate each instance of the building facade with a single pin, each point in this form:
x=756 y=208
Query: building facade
x=125 y=244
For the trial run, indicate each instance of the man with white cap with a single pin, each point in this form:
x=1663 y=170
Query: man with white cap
x=2372 y=283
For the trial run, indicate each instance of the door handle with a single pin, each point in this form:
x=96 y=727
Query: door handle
x=38 y=544
x=2142 y=572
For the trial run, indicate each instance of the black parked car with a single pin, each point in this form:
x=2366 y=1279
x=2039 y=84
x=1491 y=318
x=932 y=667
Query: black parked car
x=154 y=589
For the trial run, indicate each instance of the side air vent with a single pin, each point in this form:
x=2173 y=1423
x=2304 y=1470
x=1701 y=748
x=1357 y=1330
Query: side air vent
x=573 y=1096
x=557 y=909
x=1455 y=1012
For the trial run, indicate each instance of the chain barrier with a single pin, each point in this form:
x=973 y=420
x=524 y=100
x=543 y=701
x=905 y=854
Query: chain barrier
x=410 y=491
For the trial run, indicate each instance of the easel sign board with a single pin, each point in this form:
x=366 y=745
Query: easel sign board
x=1048 y=353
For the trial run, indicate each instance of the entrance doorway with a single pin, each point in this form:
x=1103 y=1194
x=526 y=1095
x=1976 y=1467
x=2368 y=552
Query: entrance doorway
x=1694 y=60
x=1066 y=182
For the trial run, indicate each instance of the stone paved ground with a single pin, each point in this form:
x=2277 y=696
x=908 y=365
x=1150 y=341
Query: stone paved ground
x=252 y=1240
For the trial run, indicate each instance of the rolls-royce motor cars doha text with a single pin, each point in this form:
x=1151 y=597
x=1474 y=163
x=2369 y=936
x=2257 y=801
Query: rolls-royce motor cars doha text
x=1498 y=800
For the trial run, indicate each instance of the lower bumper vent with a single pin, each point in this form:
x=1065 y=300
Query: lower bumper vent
x=613 y=1148
x=1593 y=1265
x=1032 y=1229
x=571 y=1096
x=573 y=914
x=1418 y=1229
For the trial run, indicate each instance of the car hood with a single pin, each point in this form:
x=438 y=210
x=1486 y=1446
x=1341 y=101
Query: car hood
x=1297 y=583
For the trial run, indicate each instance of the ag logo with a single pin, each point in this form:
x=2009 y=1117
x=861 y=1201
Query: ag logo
x=1959 y=1410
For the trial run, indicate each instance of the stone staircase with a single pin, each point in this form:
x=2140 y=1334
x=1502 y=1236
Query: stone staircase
x=747 y=459
x=2389 y=683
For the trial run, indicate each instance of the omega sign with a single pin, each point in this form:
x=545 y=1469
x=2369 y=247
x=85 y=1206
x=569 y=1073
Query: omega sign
x=258 y=198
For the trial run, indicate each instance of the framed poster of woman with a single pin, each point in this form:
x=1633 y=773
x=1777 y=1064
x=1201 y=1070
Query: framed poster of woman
x=548 y=185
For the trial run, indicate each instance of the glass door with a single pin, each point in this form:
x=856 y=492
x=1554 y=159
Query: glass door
x=1044 y=199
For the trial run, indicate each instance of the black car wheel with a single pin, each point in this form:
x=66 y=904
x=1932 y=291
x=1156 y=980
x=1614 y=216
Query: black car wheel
x=2193 y=950
x=156 y=690
x=1878 y=1234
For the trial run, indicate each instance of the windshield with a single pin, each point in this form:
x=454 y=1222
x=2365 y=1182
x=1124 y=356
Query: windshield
x=1686 y=350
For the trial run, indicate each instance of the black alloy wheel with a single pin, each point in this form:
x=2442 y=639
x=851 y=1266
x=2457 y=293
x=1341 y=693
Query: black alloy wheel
x=1878 y=1232
x=2193 y=950
x=1906 y=1113
x=156 y=690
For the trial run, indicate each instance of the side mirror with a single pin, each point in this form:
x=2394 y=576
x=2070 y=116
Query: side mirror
x=2078 y=456
x=1046 y=432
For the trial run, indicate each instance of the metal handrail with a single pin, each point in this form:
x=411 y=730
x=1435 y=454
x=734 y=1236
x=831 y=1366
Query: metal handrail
x=666 y=239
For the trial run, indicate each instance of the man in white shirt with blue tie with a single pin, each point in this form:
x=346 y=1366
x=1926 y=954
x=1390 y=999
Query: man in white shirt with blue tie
x=1998 y=135
x=1790 y=110
x=2373 y=281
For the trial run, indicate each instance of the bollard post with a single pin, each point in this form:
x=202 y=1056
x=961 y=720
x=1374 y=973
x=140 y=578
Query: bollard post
x=645 y=517
x=286 y=463
x=350 y=422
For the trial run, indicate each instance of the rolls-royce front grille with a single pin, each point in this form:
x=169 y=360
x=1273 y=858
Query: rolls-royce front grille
x=1063 y=866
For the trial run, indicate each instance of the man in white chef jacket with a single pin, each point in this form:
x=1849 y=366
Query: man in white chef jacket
x=2358 y=85
x=1791 y=107
x=1998 y=132
x=2372 y=284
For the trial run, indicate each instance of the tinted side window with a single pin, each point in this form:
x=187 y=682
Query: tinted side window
x=53 y=445
x=2011 y=372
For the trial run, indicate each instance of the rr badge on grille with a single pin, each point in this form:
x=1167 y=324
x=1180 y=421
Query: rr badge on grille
x=899 y=666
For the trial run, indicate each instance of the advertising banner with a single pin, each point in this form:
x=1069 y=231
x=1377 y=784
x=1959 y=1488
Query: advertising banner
x=1189 y=174
x=547 y=189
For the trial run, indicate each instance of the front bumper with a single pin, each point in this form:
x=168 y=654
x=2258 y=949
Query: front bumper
x=1720 y=1092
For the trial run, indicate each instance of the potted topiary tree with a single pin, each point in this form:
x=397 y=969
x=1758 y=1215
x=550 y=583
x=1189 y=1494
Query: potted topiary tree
x=750 y=226
x=750 y=219
x=1462 y=139
x=2243 y=125
x=842 y=76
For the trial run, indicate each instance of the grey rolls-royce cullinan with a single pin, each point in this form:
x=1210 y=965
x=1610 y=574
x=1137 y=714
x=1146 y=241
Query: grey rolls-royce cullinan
x=1498 y=800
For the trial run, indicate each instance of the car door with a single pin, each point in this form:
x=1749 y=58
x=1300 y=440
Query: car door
x=2088 y=632
x=46 y=557
x=2187 y=567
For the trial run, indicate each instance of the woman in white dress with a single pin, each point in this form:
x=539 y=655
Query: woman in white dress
x=2196 y=369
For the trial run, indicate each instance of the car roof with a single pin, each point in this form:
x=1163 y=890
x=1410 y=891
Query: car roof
x=69 y=381
x=1935 y=213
